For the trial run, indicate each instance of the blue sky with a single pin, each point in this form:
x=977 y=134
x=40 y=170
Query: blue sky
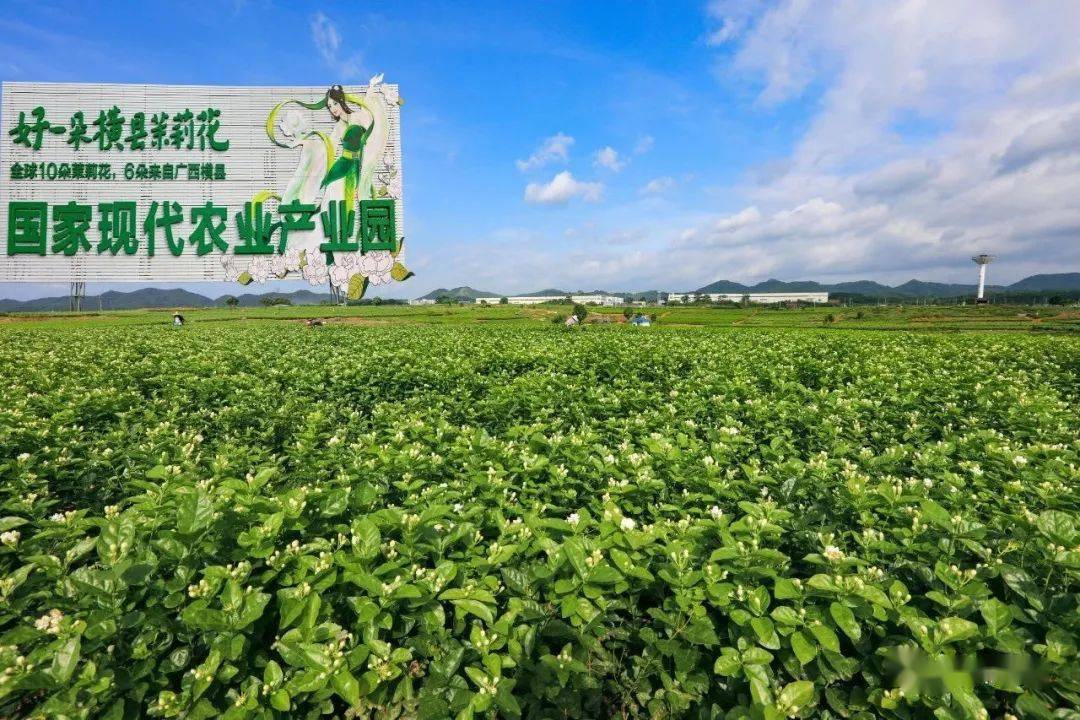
x=644 y=144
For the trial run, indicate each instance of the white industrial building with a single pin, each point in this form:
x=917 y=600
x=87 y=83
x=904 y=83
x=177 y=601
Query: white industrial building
x=608 y=300
x=762 y=298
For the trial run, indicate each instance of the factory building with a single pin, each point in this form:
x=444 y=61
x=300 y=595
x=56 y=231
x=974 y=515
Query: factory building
x=760 y=298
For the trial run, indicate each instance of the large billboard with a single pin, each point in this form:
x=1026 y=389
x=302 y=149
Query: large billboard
x=110 y=182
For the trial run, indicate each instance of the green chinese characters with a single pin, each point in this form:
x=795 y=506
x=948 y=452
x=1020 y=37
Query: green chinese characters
x=30 y=232
x=182 y=130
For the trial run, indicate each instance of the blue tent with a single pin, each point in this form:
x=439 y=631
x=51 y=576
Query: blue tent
x=641 y=321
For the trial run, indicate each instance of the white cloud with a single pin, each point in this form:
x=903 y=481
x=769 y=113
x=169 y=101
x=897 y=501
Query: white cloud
x=327 y=39
x=608 y=157
x=733 y=15
x=554 y=148
x=996 y=99
x=644 y=144
x=659 y=185
x=563 y=188
x=938 y=130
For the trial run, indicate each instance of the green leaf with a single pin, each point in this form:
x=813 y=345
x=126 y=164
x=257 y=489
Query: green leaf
x=760 y=687
x=252 y=609
x=728 y=663
x=575 y=554
x=845 y=620
x=280 y=700
x=758 y=601
x=1058 y=526
x=701 y=632
x=475 y=607
x=11 y=522
x=954 y=629
x=766 y=632
x=826 y=637
x=447 y=663
x=368 y=538
x=65 y=660
x=802 y=647
x=935 y=513
x=784 y=589
x=347 y=687
x=198 y=615
x=196 y=512
x=756 y=656
x=272 y=674
x=786 y=616
x=996 y=614
x=796 y=695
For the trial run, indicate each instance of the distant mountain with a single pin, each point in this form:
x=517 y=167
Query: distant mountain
x=863 y=287
x=113 y=300
x=550 y=292
x=772 y=285
x=298 y=297
x=150 y=298
x=919 y=288
x=147 y=298
x=724 y=286
x=1045 y=282
x=459 y=293
x=912 y=288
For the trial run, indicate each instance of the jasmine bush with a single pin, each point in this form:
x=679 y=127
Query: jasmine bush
x=262 y=521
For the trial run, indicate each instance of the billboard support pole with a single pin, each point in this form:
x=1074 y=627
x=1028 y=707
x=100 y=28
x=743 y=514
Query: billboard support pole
x=78 y=292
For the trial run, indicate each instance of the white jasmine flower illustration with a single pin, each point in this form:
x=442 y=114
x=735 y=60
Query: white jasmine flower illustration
x=278 y=265
x=292 y=259
x=293 y=125
x=376 y=266
x=316 y=271
x=339 y=275
x=259 y=270
x=346 y=260
x=232 y=272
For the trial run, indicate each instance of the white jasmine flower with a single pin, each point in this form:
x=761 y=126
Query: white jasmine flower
x=627 y=523
x=50 y=622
